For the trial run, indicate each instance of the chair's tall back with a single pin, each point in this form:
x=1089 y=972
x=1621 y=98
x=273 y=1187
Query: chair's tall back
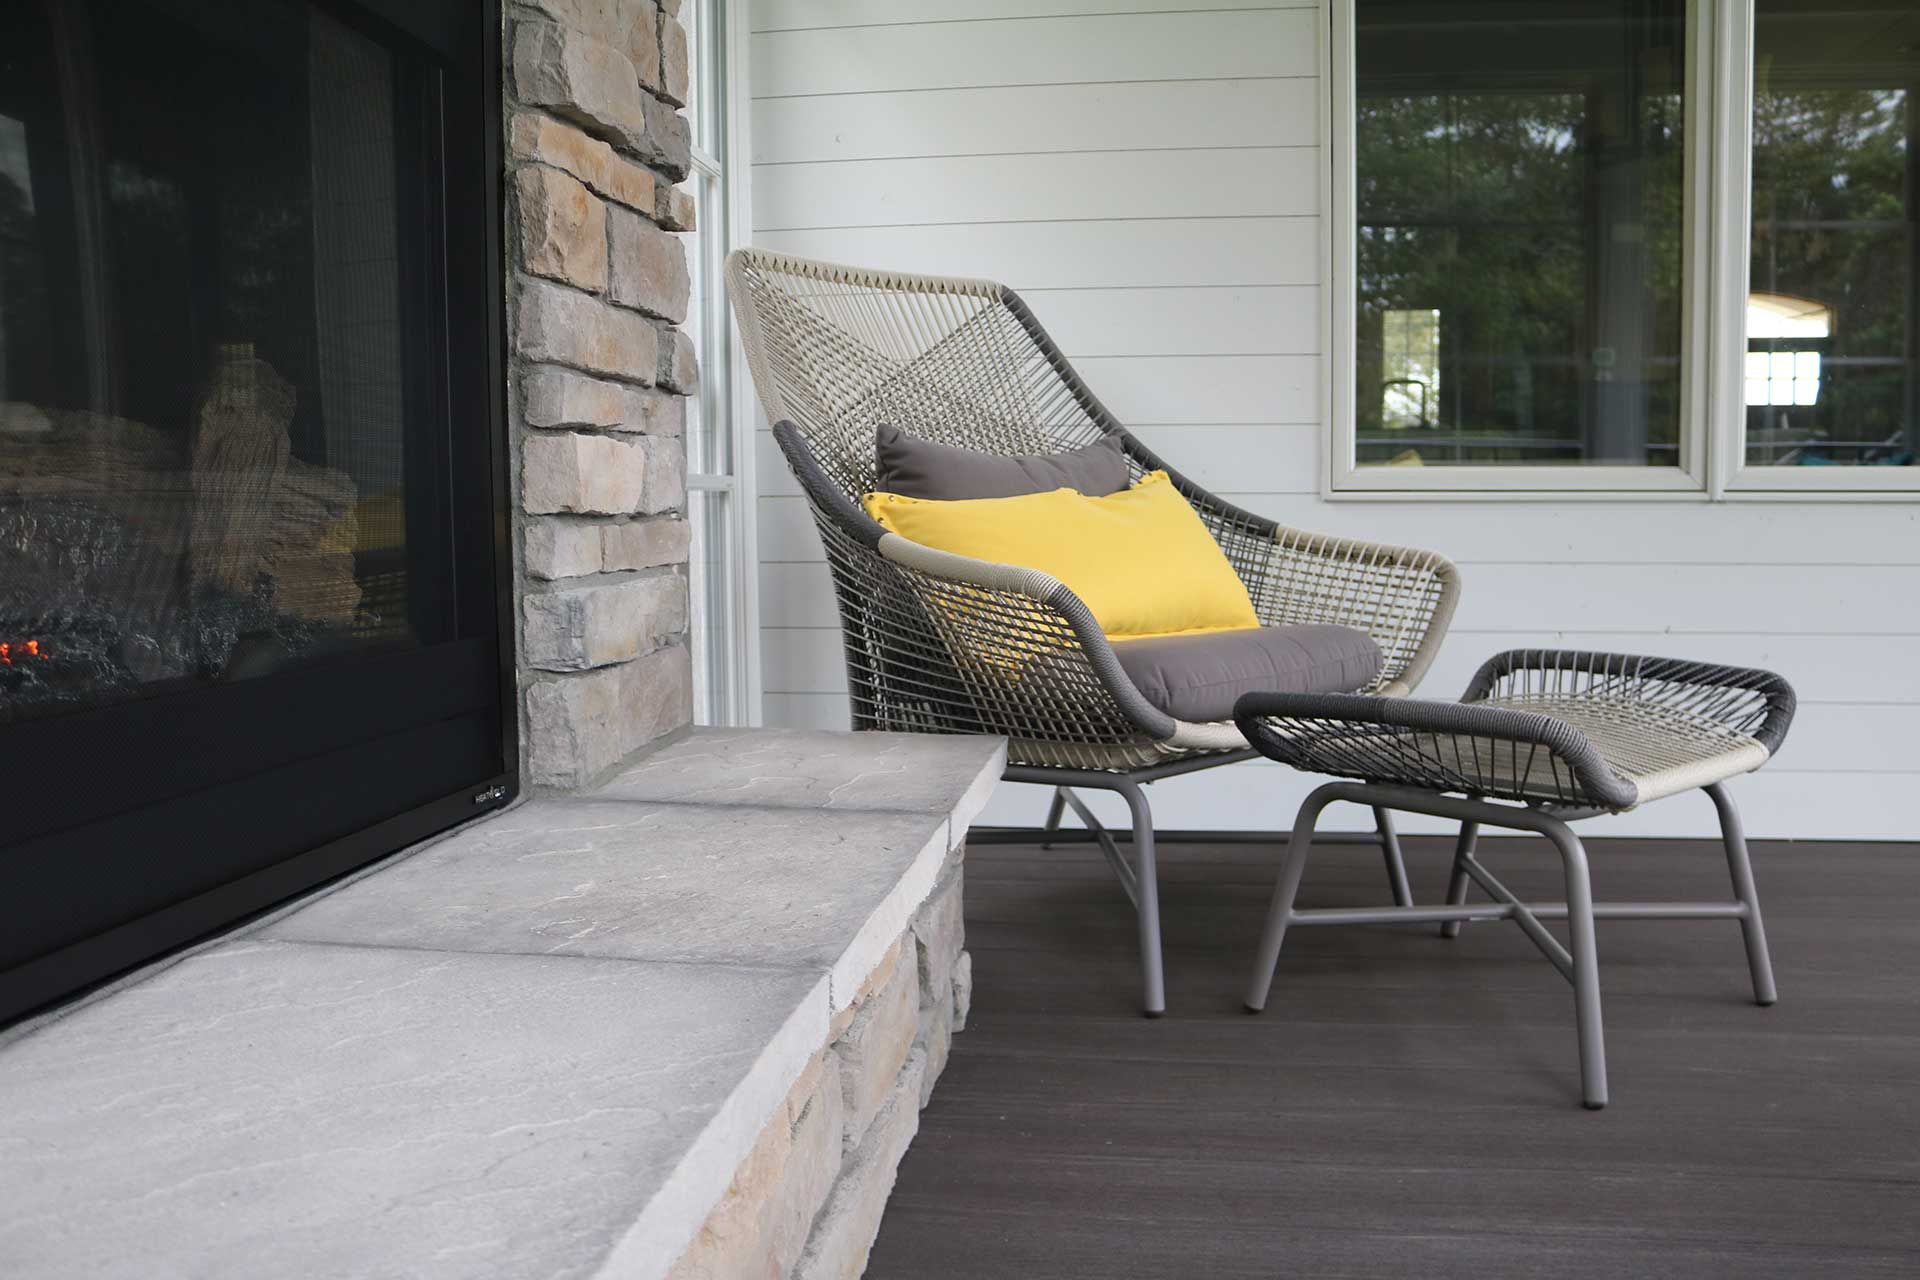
x=836 y=351
x=839 y=350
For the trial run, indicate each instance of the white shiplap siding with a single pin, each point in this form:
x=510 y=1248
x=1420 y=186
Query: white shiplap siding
x=1147 y=175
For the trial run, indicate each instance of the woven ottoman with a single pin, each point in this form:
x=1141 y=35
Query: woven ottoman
x=1541 y=739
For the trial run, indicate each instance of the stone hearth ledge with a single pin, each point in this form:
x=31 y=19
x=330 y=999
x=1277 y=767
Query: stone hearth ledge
x=590 y=1036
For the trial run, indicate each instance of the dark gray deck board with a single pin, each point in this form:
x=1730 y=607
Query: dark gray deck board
x=1408 y=1105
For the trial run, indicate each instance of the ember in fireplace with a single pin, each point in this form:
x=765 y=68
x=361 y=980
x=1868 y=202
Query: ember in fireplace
x=29 y=651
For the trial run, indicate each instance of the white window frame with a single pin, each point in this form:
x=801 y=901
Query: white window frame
x=1733 y=138
x=721 y=87
x=1719 y=98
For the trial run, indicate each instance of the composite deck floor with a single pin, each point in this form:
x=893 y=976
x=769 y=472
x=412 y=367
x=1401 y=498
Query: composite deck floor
x=1409 y=1106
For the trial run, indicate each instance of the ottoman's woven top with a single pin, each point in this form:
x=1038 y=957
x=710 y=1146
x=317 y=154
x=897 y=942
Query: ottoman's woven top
x=1588 y=730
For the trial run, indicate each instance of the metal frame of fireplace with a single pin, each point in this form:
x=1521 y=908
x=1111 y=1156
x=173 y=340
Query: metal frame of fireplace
x=97 y=806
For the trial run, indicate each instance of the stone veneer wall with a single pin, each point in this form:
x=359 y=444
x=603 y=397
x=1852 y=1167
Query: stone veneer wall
x=598 y=376
x=807 y=1201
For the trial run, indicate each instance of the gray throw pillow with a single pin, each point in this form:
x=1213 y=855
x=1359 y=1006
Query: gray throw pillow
x=916 y=468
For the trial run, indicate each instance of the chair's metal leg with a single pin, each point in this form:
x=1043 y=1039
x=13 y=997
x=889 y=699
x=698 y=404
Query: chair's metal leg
x=1147 y=901
x=1054 y=813
x=1457 y=884
x=1299 y=845
x=1390 y=849
x=1751 y=926
x=1586 y=965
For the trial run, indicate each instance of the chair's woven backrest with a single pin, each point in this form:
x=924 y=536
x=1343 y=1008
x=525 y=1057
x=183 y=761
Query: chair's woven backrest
x=839 y=350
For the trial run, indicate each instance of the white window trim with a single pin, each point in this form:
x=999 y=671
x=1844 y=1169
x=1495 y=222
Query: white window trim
x=744 y=401
x=1733 y=138
x=743 y=696
x=1719 y=95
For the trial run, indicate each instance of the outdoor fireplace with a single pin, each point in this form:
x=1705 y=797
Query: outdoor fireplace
x=252 y=567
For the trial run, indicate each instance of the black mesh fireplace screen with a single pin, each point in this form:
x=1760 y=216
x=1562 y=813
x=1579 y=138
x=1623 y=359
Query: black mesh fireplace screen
x=250 y=624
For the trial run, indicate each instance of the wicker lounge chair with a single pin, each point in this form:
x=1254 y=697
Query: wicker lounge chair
x=939 y=643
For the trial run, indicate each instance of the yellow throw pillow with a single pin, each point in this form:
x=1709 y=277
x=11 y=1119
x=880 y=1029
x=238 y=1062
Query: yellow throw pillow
x=1140 y=559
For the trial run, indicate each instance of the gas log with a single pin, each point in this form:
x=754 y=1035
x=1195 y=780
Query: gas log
x=146 y=554
x=234 y=508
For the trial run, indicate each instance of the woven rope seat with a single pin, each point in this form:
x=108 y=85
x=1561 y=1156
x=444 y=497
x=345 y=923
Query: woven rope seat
x=1562 y=728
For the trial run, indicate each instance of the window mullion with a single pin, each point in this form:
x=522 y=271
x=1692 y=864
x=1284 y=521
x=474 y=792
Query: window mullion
x=1731 y=131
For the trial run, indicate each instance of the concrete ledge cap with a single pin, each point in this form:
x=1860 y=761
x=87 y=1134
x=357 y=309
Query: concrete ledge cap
x=541 y=1044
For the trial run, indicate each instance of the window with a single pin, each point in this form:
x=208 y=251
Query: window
x=719 y=496
x=1830 y=341
x=1548 y=284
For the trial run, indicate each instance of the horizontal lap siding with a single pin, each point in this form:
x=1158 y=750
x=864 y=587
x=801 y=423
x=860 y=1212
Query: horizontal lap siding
x=797 y=15
x=1121 y=253
x=1023 y=120
x=1147 y=176
x=1082 y=49
x=1078 y=186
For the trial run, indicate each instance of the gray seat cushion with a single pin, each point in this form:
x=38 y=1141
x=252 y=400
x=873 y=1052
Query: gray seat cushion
x=1198 y=677
x=916 y=468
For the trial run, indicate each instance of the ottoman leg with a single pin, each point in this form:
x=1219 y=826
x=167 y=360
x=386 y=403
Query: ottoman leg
x=1457 y=884
x=1751 y=926
x=1299 y=845
x=1586 y=965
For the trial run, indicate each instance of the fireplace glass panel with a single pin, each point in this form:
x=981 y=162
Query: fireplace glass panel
x=223 y=453
x=253 y=630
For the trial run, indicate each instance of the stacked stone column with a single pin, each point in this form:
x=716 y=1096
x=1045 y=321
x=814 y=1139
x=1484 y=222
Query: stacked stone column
x=807 y=1201
x=598 y=377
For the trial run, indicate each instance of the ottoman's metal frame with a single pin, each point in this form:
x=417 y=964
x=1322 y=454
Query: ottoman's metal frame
x=1579 y=964
x=1557 y=735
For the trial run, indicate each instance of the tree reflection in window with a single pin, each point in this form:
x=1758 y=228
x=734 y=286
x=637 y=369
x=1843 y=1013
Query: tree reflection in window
x=1520 y=173
x=1833 y=230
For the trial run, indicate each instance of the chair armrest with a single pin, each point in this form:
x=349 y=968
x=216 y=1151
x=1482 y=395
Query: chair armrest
x=1439 y=746
x=1403 y=597
x=1743 y=700
x=1024 y=643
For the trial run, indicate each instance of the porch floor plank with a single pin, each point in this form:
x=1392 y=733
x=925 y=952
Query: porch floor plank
x=1409 y=1105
